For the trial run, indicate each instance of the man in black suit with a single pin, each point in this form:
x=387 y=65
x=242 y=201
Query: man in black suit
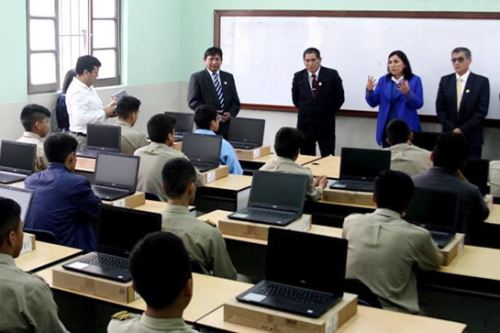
x=212 y=86
x=318 y=94
x=462 y=101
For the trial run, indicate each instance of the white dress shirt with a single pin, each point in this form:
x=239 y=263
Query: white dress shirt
x=310 y=77
x=84 y=106
x=464 y=79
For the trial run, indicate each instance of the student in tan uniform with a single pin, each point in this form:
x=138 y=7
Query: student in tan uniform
x=127 y=110
x=203 y=241
x=165 y=284
x=287 y=146
x=36 y=122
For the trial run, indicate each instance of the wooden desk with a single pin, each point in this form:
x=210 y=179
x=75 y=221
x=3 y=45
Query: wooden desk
x=255 y=164
x=43 y=255
x=476 y=262
x=327 y=166
x=230 y=193
x=158 y=207
x=494 y=216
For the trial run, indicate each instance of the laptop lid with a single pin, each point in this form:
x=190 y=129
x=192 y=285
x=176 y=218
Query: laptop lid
x=121 y=228
x=184 y=121
x=202 y=148
x=20 y=195
x=363 y=164
x=247 y=130
x=433 y=209
x=116 y=170
x=306 y=260
x=278 y=190
x=18 y=157
x=104 y=137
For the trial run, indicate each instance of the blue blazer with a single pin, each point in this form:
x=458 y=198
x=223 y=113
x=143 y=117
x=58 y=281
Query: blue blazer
x=406 y=106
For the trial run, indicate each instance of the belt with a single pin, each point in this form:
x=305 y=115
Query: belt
x=79 y=134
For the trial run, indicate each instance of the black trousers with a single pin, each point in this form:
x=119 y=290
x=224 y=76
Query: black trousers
x=326 y=142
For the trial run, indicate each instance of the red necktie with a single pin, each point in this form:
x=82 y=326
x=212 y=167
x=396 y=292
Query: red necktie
x=314 y=85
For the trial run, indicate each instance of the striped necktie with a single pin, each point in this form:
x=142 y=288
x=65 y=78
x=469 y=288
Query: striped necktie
x=218 y=89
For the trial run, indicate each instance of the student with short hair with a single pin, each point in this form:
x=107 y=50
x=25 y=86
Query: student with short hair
x=207 y=123
x=287 y=144
x=384 y=249
x=156 y=154
x=164 y=282
x=27 y=304
x=405 y=157
x=63 y=202
x=36 y=122
x=202 y=240
x=127 y=110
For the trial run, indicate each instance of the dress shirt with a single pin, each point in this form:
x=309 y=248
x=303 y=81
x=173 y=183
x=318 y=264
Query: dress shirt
x=310 y=76
x=227 y=154
x=84 y=106
x=40 y=161
x=212 y=76
x=409 y=159
x=464 y=80
x=131 y=139
x=27 y=304
x=135 y=323
x=63 y=203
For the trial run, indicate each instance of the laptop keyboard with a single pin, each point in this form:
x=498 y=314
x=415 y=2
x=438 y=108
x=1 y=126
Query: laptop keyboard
x=270 y=213
x=202 y=166
x=295 y=294
x=105 y=260
x=353 y=185
x=106 y=193
x=243 y=145
x=10 y=178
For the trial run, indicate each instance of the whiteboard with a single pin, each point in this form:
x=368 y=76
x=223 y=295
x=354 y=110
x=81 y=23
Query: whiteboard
x=263 y=53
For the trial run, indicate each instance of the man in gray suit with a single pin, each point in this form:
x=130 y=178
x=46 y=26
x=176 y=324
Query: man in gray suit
x=212 y=86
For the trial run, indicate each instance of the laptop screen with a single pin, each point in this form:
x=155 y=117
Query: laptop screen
x=17 y=156
x=117 y=170
x=19 y=195
x=104 y=136
x=363 y=164
x=183 y=121
x=121 y=228
x=247 y=130
x=202 y=148
x=306 y=260
x=278 y=190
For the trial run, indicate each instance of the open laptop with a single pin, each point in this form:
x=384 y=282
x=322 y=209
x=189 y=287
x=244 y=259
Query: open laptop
x=202 y=150
x=20 y=195
x=299 y=278
x=101 y=138
x=119 y=230
x=17 y=161
x=183 y=123
x=115 y=176
x=359 y=167
x=246 y=133
x=436 y=211
x=276 y=198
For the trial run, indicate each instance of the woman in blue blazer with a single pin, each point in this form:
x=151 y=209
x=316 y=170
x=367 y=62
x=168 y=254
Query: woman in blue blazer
x=398 y=94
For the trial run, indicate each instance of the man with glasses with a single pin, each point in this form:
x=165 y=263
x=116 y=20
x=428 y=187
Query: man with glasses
x=462 y=101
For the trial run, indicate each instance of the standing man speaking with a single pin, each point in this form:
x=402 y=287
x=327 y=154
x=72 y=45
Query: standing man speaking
x=318 y=94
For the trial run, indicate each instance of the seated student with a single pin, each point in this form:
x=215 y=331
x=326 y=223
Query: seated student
x=27 y=304
x=35 y=119
x=287 y=146
x=153 y=156
x=384 y=249
x=203 y=241
x=63 y=202
x=127 y=110
x=207 y=122
x=406 y=157
x=164 y=282
x=448 y=157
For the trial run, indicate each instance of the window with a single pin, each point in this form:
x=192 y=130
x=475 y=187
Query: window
x=59 y=31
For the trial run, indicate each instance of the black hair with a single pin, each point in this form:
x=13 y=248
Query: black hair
x=212 y=52
x=126 y=106
x=177 y=174
x=86 y=62
x=393 y=190
x=407 y=73
x=58 y=146
x=450 y=151
x=204 y=115
x=311 y=50
x=32 y=113
x=466 y=51
x=288 y=142
x=160 y=268
x=160 y=126
x=68 y=78
x=10 y=213
x=397 y=132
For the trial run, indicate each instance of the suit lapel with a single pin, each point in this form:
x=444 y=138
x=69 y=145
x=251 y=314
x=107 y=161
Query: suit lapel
x=209 y=85
x=467 y=89
x=307 y=86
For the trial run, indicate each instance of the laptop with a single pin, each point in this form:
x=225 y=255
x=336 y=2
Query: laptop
x=246 y=133
x=115 y=176
x=359 y=167
x=202 y=150
x=425 y=140
x=183 y=123
x=298 y=277
x=101 y=138
x=119 y=230
x=276 y=198
x=17 y=161
x=436 y=211
x=20 y=195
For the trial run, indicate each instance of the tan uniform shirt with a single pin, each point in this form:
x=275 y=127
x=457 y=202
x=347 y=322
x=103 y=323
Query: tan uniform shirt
x=41 y=162
x=382 y=252
x=131 y=139
x=409 y=159
x=286 y=165
x=203 y=241
x=153 y=158
x=133 y=323
x=26 y=301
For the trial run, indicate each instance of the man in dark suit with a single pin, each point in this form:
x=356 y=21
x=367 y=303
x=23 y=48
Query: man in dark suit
x=318 y=94
x=462 y=101
x=212 y=86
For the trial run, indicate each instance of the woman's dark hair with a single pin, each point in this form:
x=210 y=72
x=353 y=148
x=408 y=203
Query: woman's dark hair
x=407 y=73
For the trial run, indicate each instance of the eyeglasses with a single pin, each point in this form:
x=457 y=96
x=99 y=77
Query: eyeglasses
x=459 y=59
